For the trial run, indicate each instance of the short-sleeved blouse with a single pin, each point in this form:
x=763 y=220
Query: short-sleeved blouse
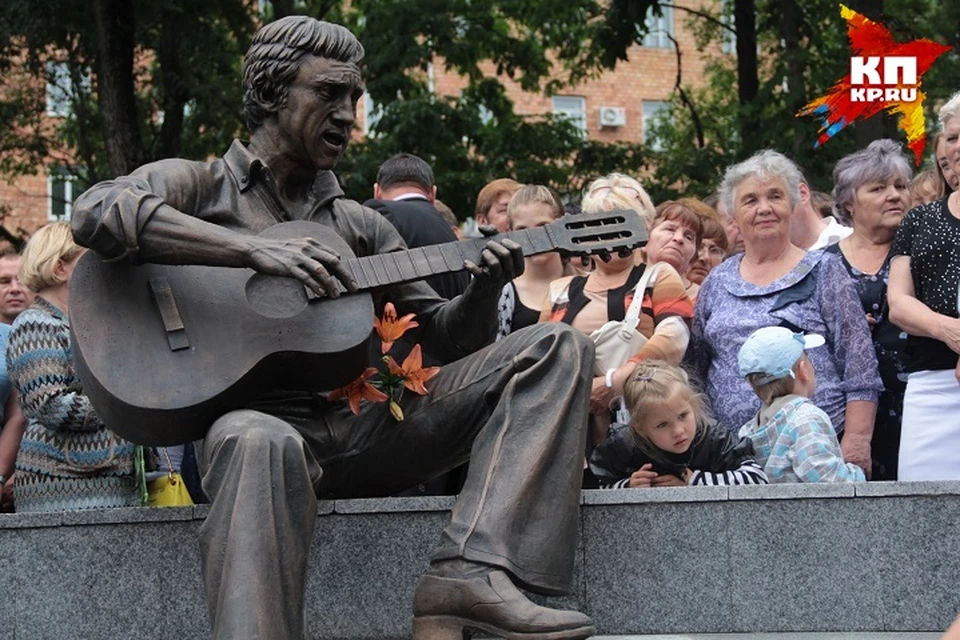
x=930 y=236
x=816 y=296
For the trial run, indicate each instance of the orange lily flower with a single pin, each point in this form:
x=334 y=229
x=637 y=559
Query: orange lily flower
x=390 y=328
x=412 y=371
x=359 y=390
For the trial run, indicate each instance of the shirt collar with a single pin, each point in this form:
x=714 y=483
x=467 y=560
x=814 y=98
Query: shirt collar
x=411 y=195
x=246 y=166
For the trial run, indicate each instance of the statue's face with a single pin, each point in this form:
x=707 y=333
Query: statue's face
x=316 y=123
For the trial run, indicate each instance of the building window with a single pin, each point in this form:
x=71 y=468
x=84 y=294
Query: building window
x=62 y=190
x=58 y=89
x=572 y=109
x=652 y=109
x=659 y=28
x=372 y=112
x=728 y=43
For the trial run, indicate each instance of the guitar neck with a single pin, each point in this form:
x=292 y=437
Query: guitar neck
x=383 y=269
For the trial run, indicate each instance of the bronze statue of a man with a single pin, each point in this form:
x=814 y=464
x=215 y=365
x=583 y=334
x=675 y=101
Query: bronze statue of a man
x=516 y=409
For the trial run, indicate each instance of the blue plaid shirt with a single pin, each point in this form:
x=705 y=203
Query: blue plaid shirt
x=794 y=441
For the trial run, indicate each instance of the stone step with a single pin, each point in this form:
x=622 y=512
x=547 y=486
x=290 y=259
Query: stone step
x=753 y=563
x=783 y=636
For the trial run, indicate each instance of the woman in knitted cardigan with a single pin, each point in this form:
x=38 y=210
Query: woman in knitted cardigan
x=68 y=459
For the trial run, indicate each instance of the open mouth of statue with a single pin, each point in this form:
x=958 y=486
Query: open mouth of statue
x=334 y=138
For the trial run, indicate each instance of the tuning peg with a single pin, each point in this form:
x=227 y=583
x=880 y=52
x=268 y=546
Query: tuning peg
x=624 y=252
x=604 y=255
x=585 y=261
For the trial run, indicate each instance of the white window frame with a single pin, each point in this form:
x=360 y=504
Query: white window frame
x=573 y=109
x=651 y=109
x=58 y=96
x=728 y=42
x=69 y=183
x=372 y=113
x=659 y=29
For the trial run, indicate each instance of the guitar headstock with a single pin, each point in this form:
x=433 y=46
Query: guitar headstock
x=601 y=234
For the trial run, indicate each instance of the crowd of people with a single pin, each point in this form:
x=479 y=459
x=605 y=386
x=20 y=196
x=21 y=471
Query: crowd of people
x=769 y=333
x=727 y=297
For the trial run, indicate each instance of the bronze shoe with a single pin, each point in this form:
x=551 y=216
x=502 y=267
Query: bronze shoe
x=449 y=608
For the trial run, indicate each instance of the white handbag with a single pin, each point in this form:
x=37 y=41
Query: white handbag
x=618 y=340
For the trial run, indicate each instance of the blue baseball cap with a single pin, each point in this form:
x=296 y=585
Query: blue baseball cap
x=773 y=351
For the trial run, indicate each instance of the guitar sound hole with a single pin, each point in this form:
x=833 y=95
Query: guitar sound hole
x=275 y=297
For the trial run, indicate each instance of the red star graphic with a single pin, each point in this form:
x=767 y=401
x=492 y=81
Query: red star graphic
x=868 y=38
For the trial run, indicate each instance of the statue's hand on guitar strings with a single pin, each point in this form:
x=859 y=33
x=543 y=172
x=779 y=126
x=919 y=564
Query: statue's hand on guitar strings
x=305 y=259
x=501 y=262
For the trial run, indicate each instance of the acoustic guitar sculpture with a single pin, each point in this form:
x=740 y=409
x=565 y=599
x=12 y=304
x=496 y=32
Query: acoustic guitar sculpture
x=162 y=351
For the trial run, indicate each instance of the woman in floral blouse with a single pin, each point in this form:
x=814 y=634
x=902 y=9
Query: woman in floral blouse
x=774 y=283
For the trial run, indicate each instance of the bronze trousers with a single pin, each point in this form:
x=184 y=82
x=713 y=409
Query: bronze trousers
x=516 y=409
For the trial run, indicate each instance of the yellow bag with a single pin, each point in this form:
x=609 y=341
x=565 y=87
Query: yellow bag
x=169 y=491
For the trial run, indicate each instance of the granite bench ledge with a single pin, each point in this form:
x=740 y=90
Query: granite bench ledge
x=672 y=560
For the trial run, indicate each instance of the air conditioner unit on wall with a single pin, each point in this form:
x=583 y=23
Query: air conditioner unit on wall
x=613 y=116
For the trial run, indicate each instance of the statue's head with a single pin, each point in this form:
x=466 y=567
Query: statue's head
x=274 y=59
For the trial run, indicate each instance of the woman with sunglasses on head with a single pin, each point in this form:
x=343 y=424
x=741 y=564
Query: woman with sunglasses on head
x=605 y=294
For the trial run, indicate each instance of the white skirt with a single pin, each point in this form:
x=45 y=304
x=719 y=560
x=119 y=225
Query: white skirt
x=930 y=437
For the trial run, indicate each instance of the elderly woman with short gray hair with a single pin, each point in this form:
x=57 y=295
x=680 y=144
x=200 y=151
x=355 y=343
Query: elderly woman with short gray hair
x=871 y=194
x=775 y=283
x=923 y=297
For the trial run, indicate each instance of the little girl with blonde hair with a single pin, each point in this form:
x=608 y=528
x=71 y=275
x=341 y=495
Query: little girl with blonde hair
x=670 y=440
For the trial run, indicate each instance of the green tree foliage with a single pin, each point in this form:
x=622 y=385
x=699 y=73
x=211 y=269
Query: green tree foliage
x=804 y=51
x=146 y=80
x=475 y=137
x=139 y=80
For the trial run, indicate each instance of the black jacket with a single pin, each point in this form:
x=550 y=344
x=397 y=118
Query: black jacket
x=717 y=457
x=421 y=225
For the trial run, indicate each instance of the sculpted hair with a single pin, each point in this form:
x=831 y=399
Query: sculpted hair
x=950 y=110
x=405 y=168
x=881 y=160
x=654 y=382
x=45 y=249
x=618 y=191
x=533 y=194
x=273 y=60
x=765 y=165
x=492 y=192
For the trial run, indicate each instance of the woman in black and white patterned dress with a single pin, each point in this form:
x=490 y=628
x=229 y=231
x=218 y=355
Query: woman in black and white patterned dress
x=923 y=298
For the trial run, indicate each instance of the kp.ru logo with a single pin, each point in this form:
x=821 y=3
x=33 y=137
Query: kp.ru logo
x=884 y=76
x=869 y=86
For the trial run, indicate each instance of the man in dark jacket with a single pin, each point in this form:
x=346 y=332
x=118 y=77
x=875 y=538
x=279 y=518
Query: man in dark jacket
x=404 y=194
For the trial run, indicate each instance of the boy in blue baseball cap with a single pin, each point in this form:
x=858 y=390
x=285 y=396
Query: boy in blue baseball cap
x=793 y=439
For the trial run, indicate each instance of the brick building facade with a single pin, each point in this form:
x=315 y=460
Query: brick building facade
x=617 y=106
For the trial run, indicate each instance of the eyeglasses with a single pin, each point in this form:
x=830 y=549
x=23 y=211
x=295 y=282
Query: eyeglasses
x=715 y=251
x=602 y=192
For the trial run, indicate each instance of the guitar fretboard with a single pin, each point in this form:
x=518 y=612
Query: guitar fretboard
x=383 y=269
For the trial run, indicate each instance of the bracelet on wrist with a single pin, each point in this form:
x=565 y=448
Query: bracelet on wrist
x=608 y=379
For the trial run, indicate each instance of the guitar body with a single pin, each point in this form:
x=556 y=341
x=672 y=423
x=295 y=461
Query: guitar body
x=163 y=351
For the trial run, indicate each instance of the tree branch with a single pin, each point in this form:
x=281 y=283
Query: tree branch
x=701 y=142
x=701 y=14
